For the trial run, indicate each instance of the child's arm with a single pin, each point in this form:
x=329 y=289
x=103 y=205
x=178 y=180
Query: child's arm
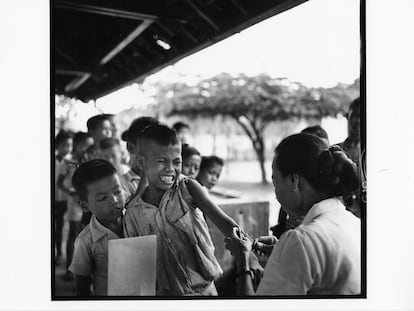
x=83 y=284
x=61 y=187
x=212 y=211
x=219 y=218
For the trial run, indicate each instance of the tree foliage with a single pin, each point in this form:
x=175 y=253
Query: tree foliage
x=253 y=102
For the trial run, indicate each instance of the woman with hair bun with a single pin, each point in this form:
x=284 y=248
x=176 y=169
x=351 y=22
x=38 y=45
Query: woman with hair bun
x=322 y=256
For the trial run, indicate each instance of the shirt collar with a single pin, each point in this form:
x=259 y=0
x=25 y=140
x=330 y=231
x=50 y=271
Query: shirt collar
x=321 y=208
x=98 y=230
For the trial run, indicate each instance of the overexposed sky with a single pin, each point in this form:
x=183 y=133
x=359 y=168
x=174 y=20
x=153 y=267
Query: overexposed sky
x=316 y=43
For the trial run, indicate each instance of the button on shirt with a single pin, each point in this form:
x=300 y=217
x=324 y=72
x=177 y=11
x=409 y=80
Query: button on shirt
x=129 y=183
x=321 y=256
x=90 y=257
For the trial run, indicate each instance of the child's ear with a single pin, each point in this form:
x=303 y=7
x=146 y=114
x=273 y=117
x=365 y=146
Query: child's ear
x=84 y=204
x=295 y=182
x=140 y=161
x=130 y=147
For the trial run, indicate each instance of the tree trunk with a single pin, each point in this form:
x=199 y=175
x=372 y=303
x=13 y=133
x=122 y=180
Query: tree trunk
x=256 y=137
x=259 y=148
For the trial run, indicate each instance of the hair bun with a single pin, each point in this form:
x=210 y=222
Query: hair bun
x=336 y=172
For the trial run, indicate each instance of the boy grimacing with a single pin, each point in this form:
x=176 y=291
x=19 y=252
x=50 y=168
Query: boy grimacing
x=172 y=208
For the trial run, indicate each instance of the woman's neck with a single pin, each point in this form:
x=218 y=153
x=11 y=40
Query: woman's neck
x=311 y=199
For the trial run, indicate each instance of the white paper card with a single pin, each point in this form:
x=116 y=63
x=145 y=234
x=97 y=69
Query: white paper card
x=132 y=266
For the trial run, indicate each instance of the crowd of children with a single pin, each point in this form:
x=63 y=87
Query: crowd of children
x=163 y=191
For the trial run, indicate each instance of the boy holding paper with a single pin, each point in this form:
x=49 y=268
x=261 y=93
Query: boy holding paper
x=97 y=185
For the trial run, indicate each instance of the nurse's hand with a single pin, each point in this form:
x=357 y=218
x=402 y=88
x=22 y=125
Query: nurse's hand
x=238 y=244
x=264 y=244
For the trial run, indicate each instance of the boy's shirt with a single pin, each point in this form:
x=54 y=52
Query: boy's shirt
x=185 y=253
x=129 y=183
x=90 y=257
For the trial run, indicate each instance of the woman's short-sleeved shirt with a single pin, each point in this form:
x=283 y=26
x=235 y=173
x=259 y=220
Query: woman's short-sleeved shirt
x=322 y=256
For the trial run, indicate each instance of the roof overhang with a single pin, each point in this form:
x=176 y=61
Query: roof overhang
x=101 y=46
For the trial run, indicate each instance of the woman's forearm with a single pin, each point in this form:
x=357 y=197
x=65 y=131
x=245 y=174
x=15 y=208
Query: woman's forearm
x=244 y=279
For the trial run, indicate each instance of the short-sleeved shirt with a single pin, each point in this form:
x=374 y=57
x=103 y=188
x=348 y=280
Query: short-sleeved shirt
x=185 y=253
x=319 y=257
x=129 y=183
x=90 y=257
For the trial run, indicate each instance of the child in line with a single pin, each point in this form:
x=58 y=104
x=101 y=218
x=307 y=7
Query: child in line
x=99 y=127
x=183 y=132
x=130 y=180
x=81 y=142
x=172 y=207
x=191 y=161
x=210 y=171
x=110 y=150
x=63 y=145
x=99 y=190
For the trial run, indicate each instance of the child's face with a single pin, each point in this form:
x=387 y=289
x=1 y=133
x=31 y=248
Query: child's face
x=65 y=147
x=191 y=166
x=209 y=177
x=81 y=148
x=103 y=130
x=105 y=198
x=162 y=164
x=112 y=155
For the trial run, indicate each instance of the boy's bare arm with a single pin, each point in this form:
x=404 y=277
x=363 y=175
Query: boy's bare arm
x=83 y=284
x=212 y=211
x=61 y=187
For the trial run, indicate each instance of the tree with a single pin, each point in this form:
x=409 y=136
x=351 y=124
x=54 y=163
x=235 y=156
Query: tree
x=253 y=102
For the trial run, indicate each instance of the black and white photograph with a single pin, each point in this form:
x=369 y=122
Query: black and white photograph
x=207 y=154
x=208 y=148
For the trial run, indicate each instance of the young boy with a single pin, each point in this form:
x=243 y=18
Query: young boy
x=210 y=171
x=172 y=207
x=99 y=190
x=63 y=147
x=191 y=161
x=110 y=150
x=81 y=142
x=99 y=127
x=130 y=180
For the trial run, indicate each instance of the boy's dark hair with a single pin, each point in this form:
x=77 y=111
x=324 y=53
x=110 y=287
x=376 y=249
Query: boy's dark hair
x=80 y=137
x=208 y=162
x=188 y=151
x=136 y=127
x=108 y=142
x=158 y=133
x=179 y=125
x=89 y=172
x=95 y=121
x=316 y=130
x=62 y=136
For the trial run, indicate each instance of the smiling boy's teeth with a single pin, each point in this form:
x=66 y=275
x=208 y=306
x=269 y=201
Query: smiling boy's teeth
x=167 y=179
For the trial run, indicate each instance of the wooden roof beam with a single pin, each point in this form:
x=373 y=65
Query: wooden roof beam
x=78 y=81
x=70 y=72
x=203 y=15
x=94 y=9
